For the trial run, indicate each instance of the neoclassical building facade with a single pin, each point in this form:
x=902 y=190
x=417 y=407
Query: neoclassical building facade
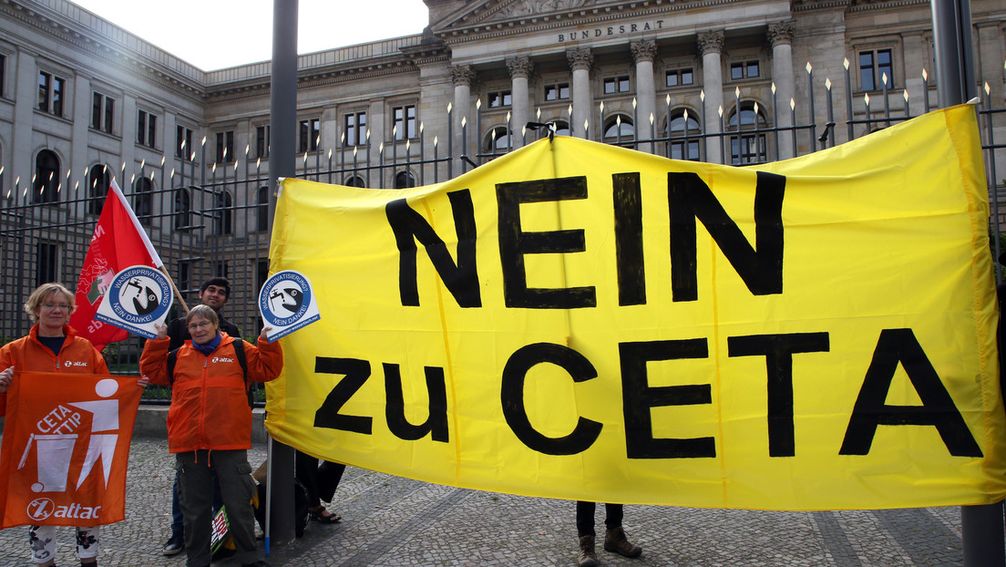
x=731 y=81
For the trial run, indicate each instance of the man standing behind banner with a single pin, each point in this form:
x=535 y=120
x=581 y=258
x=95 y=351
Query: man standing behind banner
x=51 y=346
x=209 y=425
x=214 y=292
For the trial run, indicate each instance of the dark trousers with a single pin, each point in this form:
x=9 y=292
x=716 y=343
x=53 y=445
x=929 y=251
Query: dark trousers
x=585 y=517
x=177 y=523
x=236 y=488
x=320 y=482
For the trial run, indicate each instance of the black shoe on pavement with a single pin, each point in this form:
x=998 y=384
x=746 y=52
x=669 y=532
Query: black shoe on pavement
x=258 y=563
x=173 y=546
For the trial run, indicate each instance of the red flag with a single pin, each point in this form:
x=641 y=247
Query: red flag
x=65 y=449
x=118 y=242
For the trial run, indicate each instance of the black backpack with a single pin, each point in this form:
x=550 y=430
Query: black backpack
x=239 y=352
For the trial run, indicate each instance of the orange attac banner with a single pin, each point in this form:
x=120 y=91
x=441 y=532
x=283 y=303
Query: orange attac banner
x=66 y=449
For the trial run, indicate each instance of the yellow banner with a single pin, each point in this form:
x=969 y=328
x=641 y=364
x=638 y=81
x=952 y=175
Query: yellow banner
x=579 y=321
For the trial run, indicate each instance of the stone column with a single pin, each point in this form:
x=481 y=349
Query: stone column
x=711 y=45
x=77 y=161
x=643 y=53
x=780 y=34
x=376 y=129
x=580 y=61
x=520 y=71
x=23 y=148
x=463 y=76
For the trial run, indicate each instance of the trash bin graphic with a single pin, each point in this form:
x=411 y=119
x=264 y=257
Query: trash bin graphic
x=54 y=453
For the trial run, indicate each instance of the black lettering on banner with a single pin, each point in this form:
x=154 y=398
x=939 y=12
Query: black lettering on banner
x=461 y=279
x=355 y=373
x=760 y=268
x=778 y=351
x=638 y=397
x=512 y=397
x=515 y=243
x=629 y=264
x=394 y=411
x=938 y=410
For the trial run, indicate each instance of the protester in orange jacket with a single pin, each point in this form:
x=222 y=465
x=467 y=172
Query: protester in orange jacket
x=51 y=346
x=209 y=425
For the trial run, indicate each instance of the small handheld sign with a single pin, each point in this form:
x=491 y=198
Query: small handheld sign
x=138 y=298
x=287 y=303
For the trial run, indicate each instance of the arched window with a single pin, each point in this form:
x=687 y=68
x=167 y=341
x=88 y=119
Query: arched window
x=143 y=199
x=748 y=145
x=223 y=213
x=404 y=179
x=46 y=185
x=262 y=209
x=182 y=210
x=683 y=135
x=497 y=141
x=618 y=128
x=354 y=181
x=98 y=180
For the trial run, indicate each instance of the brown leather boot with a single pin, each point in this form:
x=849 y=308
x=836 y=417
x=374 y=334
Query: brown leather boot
x=587 y=556
x=615 y=540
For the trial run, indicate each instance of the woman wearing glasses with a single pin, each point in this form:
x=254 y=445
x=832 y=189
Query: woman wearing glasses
x=51 y=346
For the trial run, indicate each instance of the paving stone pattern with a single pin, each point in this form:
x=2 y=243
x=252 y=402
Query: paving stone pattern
x=395 y=522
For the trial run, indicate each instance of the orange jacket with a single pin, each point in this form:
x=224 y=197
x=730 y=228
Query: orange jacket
x=29 y=354
x=209 y=403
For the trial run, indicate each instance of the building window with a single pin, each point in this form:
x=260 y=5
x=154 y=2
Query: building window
x=143 y=199
x=46 y=185
x=3 y=72
x=225 y=146
x=220 y=268
x=102 y=112
x=409 y=129
x=310 y=134
x=223 y=214
x=496 y=141
x=499 y=99
x=557 y=91
x=146 y=129
x=262 y=141
x=184 y=276
x=615 y=85
x=354 y=181
x=98 y=179
x=404 y=179
x=51 y=93
x=262 y=209
x=618 y=128
x=679 y=78
x=183 y=143
x=873 y=65
x=744 y=70
x=356 y=129
x=182 y=209
x=261 y=272
x=747 y=145
x=47 y=263
x=684 y=135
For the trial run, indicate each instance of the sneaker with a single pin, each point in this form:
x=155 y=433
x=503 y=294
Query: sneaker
x=173 y=546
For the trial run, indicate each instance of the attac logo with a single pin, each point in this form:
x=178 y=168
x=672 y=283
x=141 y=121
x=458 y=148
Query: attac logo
x=40 y=509
x=221 y=359
x=79 y=363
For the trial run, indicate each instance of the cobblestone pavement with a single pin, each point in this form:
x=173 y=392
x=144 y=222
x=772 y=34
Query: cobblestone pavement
x=390 y=521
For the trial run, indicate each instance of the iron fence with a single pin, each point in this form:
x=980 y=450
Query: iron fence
x=211 y=217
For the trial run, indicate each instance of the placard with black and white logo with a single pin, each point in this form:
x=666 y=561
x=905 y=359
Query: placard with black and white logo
x=287 y=303
x=138 y=298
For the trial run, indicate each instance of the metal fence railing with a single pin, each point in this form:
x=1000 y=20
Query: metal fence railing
x=208 y=219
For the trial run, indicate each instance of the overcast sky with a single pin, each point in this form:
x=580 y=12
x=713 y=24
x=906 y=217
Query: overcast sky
x=213 y=34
